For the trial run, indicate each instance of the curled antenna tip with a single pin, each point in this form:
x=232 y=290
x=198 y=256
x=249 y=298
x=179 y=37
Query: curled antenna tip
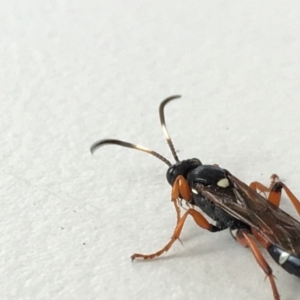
x=100 y=143
x=97 y=144
x=172 y=98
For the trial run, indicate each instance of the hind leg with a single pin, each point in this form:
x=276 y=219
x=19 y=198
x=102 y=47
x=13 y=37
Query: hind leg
x=245 y=239
x=274 y=191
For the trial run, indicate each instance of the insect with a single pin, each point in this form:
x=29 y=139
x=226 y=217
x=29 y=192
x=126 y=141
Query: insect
x=232 y=204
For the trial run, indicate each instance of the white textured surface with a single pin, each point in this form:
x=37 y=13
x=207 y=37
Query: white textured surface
x=72 y=72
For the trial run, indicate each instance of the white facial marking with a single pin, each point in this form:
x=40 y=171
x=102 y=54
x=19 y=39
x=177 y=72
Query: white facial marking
x=283 y=257
x=194 y=191
x=224 y=182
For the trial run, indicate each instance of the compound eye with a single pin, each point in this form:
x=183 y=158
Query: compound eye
x=171 y=174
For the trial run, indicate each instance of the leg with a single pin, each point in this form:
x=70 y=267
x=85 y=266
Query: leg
x=274 y=189
x=291 y=196
x=261 y=188
x=200 y=221
x=275 y=192
x=244 y=238
x=180 y=190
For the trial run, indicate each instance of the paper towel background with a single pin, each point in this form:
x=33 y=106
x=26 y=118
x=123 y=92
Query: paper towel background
x=73 y=72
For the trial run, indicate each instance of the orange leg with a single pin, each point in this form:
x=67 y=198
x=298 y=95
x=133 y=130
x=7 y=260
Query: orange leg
x=180 y=190
x=245 y=239
x=200 y=221
x=292 y=197
x=261 y=188
x=275 y=192
x=178 y=211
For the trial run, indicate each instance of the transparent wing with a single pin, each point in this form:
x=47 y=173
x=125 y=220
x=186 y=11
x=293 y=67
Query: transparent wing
x=244 y=204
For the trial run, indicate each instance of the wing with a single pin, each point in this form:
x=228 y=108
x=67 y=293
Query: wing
x=244 y=204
